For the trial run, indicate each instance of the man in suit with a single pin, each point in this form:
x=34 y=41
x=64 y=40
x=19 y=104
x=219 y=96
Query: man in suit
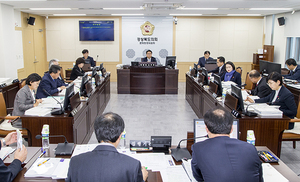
x=261 y=89
x=149 y=57
x=87 y=58
x=8 y=173
x=221 y=69
x=55 y=62
x=50 y=83
x=294 y=70
x=221 y=158
x=105 y=163
x=202 y=60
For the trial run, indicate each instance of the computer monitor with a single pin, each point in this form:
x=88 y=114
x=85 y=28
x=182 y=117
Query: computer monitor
x=266 y=67
x=101 y=67
x=217 y=80
x=69 y=93
x=205 y=74
x=170 y=61
x=199 y=129
x=211 y=61
x=87 y=61
x=237 y=93
x=94 y=71
x=84 y=80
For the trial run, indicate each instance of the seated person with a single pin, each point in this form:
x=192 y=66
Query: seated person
x=149 y=57
x=55 y=62
x=87 y=58
x=50 y=83
x=221 y=158
x=105 y=163
x=262 y=89
x=294 y=70
x=220 y=70
x=202 y=60
x=239 y=70
x=25 y=98
x=8 y=173
x=231 y=74
x=279 y=96
x=77 y=69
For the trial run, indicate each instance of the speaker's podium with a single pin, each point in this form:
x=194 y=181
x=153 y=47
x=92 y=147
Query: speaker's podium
x=147 y=78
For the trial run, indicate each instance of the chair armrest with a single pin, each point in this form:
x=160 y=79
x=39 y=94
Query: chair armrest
x=294 y=120
x=11 y=117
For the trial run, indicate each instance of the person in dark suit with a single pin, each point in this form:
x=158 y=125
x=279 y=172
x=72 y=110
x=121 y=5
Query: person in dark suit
x=280 y=96
x=105 y=163
x=262 y=89
x=220 y=70
x=55 y=62
x=25 y=98
x=294 y=70
x=77 y=69
x=8 y=173
x=149 y=57
x=202 y=60
x=50 y=83
x=231 y=74
x=221 y=158
x=87 y=58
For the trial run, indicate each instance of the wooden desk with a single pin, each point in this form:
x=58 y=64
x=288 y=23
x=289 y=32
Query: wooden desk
x=9 y=92
x=147 y=80
x=268 y=131
x=77 y=129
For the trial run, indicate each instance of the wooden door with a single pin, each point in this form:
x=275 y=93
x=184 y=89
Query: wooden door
x=39 y=52
x=28 y=51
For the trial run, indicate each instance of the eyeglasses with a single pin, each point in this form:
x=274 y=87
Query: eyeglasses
x=270 y=83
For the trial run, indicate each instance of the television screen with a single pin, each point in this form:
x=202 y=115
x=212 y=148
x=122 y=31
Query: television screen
x=96 y=30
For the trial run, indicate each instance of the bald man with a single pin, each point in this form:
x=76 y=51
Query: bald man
x=262 y=89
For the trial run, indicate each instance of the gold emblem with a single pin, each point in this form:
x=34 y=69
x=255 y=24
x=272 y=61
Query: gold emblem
x=147 y=28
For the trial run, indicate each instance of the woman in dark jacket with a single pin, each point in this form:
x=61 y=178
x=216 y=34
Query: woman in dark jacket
x=77 y=69
x=231 y=74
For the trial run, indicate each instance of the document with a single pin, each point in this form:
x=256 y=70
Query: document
x=5 y=151
x=188 y=169
x=38 y=111
x=270 y=174
x=80 y=149
x=174 y=174
x=19 y=140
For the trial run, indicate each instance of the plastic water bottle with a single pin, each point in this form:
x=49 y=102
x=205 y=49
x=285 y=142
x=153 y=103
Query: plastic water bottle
x=122 y=143
x=45 y=139
x=250 y=137
x=223 y=95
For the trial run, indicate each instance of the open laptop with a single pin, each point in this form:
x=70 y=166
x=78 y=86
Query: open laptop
x=199 y=129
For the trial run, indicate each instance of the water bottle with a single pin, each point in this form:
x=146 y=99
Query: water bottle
x=45 y=139
x=223 y=95
x=122 y=143
x=190 y=69
x=250 y=137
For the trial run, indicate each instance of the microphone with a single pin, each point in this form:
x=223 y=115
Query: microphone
x=249 y=113
x=65 y=148
x=182 y=153
x=55 y=111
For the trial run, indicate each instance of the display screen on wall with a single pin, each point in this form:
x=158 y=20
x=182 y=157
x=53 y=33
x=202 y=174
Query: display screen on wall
x=96 y=30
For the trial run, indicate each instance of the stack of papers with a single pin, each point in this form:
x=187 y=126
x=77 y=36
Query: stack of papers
x=267 y=110
x=270 y=174
x=188 y=169
x=5 y=151
x=227 y=84
x=38 y=111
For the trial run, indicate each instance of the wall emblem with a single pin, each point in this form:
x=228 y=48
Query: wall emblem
x=147 y=28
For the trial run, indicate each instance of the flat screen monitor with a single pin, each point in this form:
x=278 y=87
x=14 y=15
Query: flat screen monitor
x=237 y=93
x=69 y=93
x=204 y=73
x=217 y=80
x=84 y=80
x=211 y=61
x=266 y=67
x=170 y=61
x=96 y=30
x=94 y=71
x=101 y=67
x=199 y=129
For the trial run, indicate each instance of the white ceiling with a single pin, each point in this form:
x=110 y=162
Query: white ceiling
x=154 y=7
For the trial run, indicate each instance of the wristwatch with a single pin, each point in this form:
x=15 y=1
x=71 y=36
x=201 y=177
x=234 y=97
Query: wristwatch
x=3 y=142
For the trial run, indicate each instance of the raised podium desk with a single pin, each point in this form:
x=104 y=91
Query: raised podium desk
x=147 y=80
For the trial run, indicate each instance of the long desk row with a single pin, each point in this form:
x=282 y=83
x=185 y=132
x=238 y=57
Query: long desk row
x=268 y=131
x=78 y=128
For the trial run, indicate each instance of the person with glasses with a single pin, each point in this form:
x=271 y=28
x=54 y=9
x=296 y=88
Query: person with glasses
x=280 y=96
x=220 y=70
x=149 y=57
x=231 y=74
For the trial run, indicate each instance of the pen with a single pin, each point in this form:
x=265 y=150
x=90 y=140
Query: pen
x=43 y=162
x=42 y=154
x=272 y=155
x=266 y=155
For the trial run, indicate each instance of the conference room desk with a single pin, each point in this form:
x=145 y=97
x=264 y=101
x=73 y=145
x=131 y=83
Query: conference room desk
x=9 y=92
x=147 y=80
x=78 y=128
x=268 y=131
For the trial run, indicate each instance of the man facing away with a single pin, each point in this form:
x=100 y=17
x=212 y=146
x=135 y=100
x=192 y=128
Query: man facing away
x=221 y=158
x=105 y=163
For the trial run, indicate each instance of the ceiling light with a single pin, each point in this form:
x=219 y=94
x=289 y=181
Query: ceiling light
x=272 y=9
x=123 y=8
x=197 y=8
x=69 y=14
x=46 y=9
x=244 y=15
x=185 y=14
x=127 y=14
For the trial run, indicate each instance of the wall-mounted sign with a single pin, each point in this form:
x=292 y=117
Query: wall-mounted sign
x=147 y=28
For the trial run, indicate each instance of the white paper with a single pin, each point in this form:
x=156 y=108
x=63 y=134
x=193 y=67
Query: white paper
x=19 y=140
x=5 y=151
x=61 y=171
x=80 y=149
x=270 y=174
x=188 y=169
x=174 y=174
x=38 y=111
x=44 y=170
x=3 y=80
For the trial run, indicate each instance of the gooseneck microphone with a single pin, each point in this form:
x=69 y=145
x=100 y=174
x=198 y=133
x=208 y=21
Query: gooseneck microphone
x=65 y=148
x=182 y=153
x=40 y=136
x=55 y=111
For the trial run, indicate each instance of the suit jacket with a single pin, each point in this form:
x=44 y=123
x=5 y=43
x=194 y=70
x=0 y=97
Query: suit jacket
x=285 y=100
x=62 y=82
x=76 y=71
x=91 y=61
x=236 y=78
x=153 y=59
x=216 y=70
x=49 y=85
x=23 y=101
x=104 y=163
x=8 y=173
x=202 y=61
x=262 y=89
x=293 y=75
x=225 y=159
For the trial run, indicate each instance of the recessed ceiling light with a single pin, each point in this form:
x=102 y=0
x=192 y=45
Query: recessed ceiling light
x=127 y=14
x=69 y=14
x=123 y=8
x=45 y=9
x=272 y=9
x=185 y=14
x=244 y=15
x=197 y=8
